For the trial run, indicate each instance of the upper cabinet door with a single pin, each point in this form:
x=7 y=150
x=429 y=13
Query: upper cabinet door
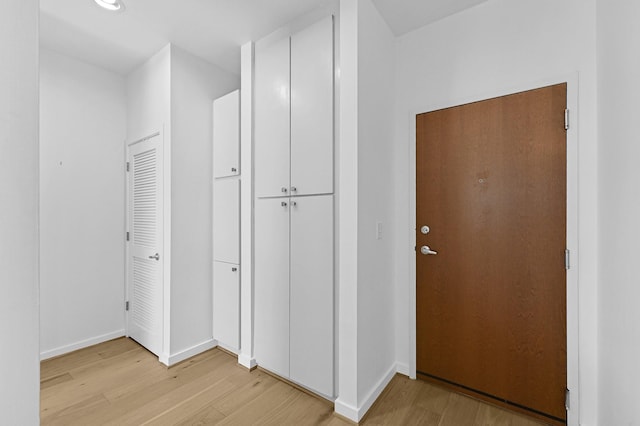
x=226 y=135
x=272 y=133
x=312 y=109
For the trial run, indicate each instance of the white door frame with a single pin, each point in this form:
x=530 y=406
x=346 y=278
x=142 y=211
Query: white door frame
x=572 y=224
x=165 y=251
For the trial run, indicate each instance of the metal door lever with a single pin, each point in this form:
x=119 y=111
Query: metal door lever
x=156 y=256
x=427 y=250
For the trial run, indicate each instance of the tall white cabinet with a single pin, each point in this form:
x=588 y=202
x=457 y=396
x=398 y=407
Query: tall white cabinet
x=294 y=207
x=226 y=221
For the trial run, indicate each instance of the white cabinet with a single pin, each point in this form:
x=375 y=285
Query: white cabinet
x=294 y=114
x=294 y=289
x=312 y=109
x=294 y=213
x=312 y=293
x=226 y=135
x=271 y=135
x=271 y=284
x=226 y=220
x=226 y=305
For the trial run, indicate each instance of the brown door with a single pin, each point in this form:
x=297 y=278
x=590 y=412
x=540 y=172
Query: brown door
x=491 y=304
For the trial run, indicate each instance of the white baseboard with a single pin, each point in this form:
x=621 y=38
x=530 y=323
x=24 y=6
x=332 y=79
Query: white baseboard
x=345 y=410
x=228 y=348
x=402 y=368
x=188 y=353
x=246 y=361
x=356 y=414
x=81 y=344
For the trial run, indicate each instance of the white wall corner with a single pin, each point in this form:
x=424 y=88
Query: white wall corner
x=247 y=361
x=375 y=393
x=356 y=414
x=81 y=344
x=188 y=353
x=345 y=410
x=403 y=368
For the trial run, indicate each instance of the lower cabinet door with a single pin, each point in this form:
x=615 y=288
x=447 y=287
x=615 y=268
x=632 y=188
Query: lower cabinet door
x=271 y=284
x=312 y=293
x=226 y=304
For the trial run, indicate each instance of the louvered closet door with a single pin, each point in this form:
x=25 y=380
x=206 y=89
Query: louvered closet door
x=145 y=252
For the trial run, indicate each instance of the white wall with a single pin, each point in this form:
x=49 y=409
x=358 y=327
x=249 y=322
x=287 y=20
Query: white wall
x=376 y=90
x=19 y=359
x=148 y=90
x=366 y=291
x=82 y=221
x=493 y=47
x=194 y=85
x=619 y=233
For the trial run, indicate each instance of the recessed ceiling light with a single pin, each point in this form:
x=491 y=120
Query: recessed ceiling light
x=113 y=5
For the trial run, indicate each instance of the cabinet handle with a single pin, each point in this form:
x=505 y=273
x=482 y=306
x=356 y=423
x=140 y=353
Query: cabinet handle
x=234 y=269
x=284 y=189
x=233 y=169
x=283 y=204
x=294 y=189
x=293 y=203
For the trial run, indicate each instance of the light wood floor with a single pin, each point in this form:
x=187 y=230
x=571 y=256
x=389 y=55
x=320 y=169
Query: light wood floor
x=120 y=383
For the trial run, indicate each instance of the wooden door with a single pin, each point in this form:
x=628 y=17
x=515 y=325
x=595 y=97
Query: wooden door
x=491 y=304
x=271 y=284
x=312 y=109
x=145 y=251
x=272 y=120
x=311 y=293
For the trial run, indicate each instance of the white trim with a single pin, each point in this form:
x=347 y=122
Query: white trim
x=188 y=353
x=246 y=206
x=81 y=344
x=356 y=414
x=572 y=81
x=247 y=361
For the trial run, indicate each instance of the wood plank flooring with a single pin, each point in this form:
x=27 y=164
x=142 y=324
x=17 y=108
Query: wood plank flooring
x=120 y=383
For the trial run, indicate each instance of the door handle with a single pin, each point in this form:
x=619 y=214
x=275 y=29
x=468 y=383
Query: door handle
x=427 y=250
x=156 y=256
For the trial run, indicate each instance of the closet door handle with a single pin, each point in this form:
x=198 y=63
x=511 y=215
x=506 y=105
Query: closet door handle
x=155 y=256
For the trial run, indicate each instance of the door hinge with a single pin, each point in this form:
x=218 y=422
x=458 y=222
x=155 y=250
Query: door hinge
x=126 y=305
x=127 y=235
x=566 y=119
x=567 y=259
x=128 y=166
x=567 y=400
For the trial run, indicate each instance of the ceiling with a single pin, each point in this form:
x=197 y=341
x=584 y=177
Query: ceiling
x=211 y=29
